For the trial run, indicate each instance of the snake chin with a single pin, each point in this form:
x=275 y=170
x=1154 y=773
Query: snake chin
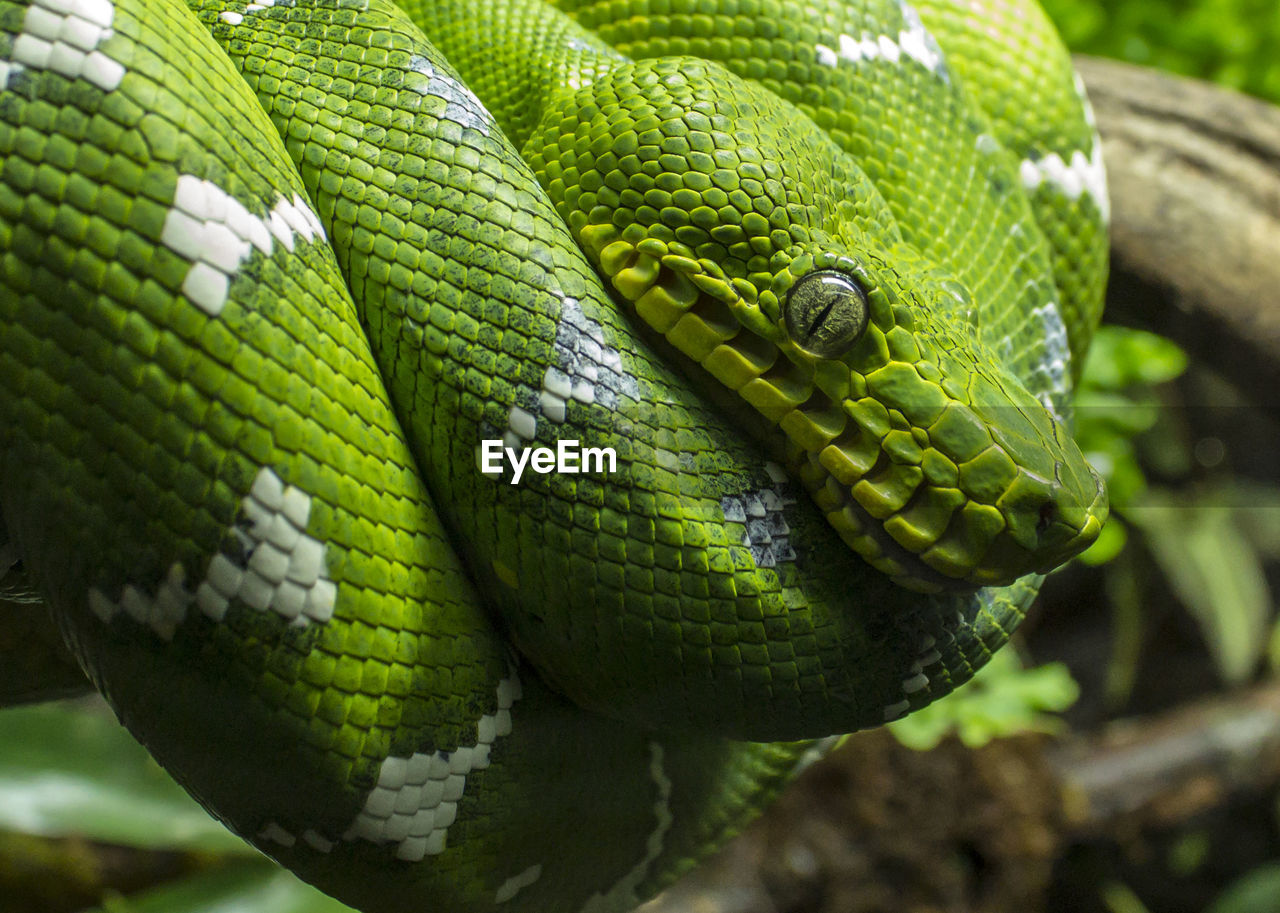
x=924 y=563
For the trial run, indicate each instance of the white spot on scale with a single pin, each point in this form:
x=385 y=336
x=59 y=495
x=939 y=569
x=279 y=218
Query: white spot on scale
x=918 y=44
x=282 y=570
x=1083 y=95
x=1052 y=370
x=522 y=423
x=927 y=652
x=986 y=144
x=623 y=893
x=415 y=800
x=917 y=682
x=64 y=36
x=513 y=886
x=274 y=832
x=236 y=18
x=894 y=711
x=461 y=104
x=213 y=230
x=914 y=41
x=317 y=841
x=766 y=531
x=586 y=369
x=1083 y=174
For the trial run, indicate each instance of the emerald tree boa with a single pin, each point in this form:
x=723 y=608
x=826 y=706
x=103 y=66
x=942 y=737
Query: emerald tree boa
x=305 y=302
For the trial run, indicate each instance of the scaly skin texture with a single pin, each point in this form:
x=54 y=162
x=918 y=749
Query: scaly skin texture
x=271 y=274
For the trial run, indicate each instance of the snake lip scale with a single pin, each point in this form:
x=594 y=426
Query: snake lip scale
x=271 y=272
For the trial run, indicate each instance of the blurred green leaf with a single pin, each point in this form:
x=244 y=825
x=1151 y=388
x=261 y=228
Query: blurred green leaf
x=1126 y=589
x=1120 y=898
x=1232 y=42
x=1116 y=411
x=1257 y=508
x=1121 y=357
x=1111 y=540
x=245 y=886
x=1216 y=573
x=70 y=769
x=1002 y=699
x=1189 y=853
x=1117 y=403
x=1257 y=891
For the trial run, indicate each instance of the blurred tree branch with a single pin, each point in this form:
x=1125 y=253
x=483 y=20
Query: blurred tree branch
x=1194 y=176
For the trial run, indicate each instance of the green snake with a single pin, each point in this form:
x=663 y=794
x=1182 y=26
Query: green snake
x=819 y=275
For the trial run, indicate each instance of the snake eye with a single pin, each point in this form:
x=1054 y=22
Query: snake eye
x=826 y=312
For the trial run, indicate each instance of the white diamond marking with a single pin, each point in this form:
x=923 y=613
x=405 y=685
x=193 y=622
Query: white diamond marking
x=415 y=800
x=1082 y=174
x=213 y=230
x=913 y=41
x=766 y=531
x=64 y=36
x=284 y=570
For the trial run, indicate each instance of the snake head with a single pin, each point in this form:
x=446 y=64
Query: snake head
x=929 y=457
x=740 y=231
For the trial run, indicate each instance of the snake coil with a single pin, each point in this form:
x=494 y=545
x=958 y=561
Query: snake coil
x=277 y=276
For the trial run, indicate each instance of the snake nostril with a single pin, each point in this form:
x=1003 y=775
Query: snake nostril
x=1048 y=513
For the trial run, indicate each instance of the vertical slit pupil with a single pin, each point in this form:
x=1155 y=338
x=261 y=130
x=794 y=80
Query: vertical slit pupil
x=826 y=312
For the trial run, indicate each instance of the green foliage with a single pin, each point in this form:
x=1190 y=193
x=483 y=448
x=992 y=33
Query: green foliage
x=1231 y=42
x=1217 y=573
x=1257 y=891
x=65 y=770
x=249 y=886
x=1209 y=538
x=1002 y=699
x=69 y=770
x=1117 y=402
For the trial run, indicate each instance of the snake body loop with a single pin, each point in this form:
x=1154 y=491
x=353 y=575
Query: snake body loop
x=820 y=275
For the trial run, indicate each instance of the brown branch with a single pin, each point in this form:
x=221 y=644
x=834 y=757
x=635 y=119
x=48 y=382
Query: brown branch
x=879 y=827
x=1163 y=771
x=1194 y=174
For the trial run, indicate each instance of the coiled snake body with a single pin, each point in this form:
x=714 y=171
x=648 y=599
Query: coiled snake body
x=820 y=274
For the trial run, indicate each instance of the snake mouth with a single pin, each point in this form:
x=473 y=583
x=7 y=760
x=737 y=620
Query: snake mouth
x=933 y=537
x=919 y=514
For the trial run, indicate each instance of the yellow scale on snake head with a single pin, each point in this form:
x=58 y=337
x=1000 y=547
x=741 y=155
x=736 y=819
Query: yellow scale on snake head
x=821 y=275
